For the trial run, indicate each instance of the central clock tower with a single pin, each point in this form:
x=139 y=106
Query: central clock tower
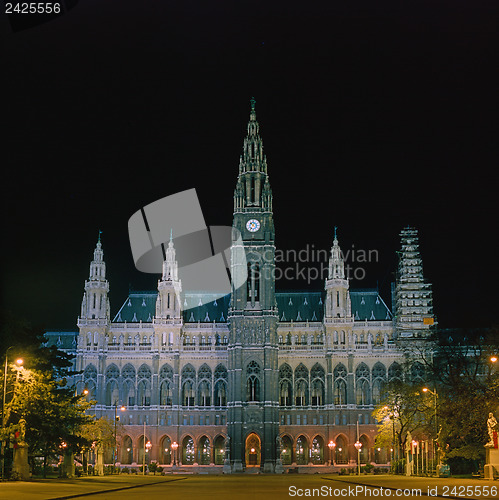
x=253 y=407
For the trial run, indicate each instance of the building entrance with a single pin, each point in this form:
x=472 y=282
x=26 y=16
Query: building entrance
x=253 y=450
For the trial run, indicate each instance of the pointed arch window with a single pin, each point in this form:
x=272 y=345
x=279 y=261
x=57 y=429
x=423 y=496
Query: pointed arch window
x=340 y=392
x=220 y=393
x=257 y=281
x=248 y=282
x=317 y=374
x=285 y=393
x=204 y=393
x=188 y=394
x=253 y=381
x=340 y=386
x=253 y=281
x=285 y=385
x=301 y=393
x=165 y=393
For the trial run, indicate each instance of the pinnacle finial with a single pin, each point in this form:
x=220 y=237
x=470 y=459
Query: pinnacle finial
x=253 y=102
x=100 y=232
x=335 y=228
x=171 y=234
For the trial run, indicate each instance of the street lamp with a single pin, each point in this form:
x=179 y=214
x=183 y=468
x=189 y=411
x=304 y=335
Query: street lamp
x=435 y=396
x=332 y=446
x=19 y=362
x=174 y=448
x=116 y=418
x=358 y=447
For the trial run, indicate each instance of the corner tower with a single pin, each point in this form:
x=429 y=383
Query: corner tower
x=338 y=304
x=94 y=318
x=168 y=319
x=253 y=407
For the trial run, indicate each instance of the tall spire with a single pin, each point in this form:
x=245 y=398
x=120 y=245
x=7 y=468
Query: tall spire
x=253 y=158
x=336 y=263
x=338 y=304
x=95 y=303
x=98 y=266
x=168 y=304
x=253 y=187
x=170 y=266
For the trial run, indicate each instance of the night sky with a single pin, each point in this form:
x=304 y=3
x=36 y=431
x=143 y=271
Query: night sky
x=374 y=116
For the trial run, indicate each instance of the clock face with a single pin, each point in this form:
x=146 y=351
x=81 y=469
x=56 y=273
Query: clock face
x=253 y=225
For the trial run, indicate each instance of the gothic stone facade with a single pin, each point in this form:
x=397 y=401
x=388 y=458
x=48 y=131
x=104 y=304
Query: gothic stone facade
x=257 y=378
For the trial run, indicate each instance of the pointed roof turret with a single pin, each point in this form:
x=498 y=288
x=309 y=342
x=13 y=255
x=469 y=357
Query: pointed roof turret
x=95 y=303
x=170 y=265
x=253 y=186
x=336 y=263
x=98 y=266
x=253 y=159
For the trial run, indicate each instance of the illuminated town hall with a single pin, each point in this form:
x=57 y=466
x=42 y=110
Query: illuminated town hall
x=259 y=378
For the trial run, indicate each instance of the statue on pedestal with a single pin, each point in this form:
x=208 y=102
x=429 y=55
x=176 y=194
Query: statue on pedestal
x=278 y=463
x=491 y=449
x=20 y=463
x=227 y=468
x=491 y=428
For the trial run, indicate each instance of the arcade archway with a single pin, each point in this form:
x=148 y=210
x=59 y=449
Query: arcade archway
x=253 y=450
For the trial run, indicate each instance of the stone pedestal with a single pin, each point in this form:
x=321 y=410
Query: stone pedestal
x=237 y=466
x=491 y=462
x=409 y=465
x=20 y=465
x=268 y=467
x=279 y=469
x=227 y=469
x=68 y=465
x=99 y=463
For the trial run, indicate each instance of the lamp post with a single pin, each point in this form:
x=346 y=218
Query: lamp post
x=19 y=362
x=358 y=447
x=115 y=452
x=435 y=396
x=331 y=446
x=148 y=447
x=174 y=448
x=144 y=451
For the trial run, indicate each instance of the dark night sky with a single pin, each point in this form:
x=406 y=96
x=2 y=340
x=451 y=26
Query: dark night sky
x=374 y=115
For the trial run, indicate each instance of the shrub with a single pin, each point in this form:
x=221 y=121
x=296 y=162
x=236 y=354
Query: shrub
x=367 y=468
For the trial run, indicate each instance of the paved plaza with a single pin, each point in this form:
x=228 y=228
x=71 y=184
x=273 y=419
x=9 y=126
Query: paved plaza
x=249 y=486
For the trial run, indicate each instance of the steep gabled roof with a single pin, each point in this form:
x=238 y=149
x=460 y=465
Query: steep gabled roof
x=295 y=306
x=300 y=306
x=64 y=340
x=368 y=305
x=138 y=306
x=203 y=311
